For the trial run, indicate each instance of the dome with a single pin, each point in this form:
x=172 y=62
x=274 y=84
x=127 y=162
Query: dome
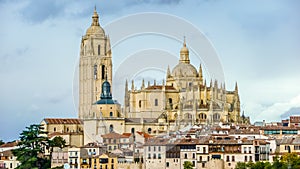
x=184 y=69
x=95 y=30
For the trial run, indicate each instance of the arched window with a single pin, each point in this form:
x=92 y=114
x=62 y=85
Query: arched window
x=202 y=116
x=132 y=130
x=149 y=130
x=111 y=128
x=111 y=114
x=103 y=72
x=54 y=129
x=98 y=49
x=156 y=102
x=140 y=103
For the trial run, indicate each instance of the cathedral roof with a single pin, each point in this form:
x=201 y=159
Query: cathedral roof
x=154 y=87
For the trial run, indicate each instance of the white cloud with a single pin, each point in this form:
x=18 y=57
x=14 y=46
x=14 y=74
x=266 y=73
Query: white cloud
x=274 y=112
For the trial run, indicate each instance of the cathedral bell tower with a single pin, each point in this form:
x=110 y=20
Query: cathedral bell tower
x=95 y=64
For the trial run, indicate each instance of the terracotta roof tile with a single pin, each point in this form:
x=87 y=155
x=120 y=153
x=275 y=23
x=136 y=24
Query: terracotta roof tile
x=114 y=135
x=62 y=121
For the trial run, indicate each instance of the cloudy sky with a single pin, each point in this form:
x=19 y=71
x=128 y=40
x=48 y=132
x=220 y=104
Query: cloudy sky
x=257 y=43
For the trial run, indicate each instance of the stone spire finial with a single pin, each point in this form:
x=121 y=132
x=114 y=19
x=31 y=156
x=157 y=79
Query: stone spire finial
x=126 y=86
x=168 y=72
x=143 y=84
x=184 y=53
x=132 y=85
x=95 y=18
x=236 y=87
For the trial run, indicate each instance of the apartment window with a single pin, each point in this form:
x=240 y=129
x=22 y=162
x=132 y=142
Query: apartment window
x=185 y=155
x=203 y=165
x=193 y=163
x=245 y=149
x=200 y=158
x=149 y=148
x=232 y=158
x=227 y=158
x=193 y=155
x=286 y=148
x=167 y=164
x=156 y=102
x=246 y=159
x=296 y=147
x=204 y=150
x=115 y=147
x=159 y=156
x=154 y=156
x=159 y=148
x=198 y=148
x=154 y=148
x=149 y=156
x=249 y=148
x=207 y=158
x=250 y=158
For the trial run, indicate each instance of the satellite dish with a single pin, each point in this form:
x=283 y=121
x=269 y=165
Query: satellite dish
x=66 y=166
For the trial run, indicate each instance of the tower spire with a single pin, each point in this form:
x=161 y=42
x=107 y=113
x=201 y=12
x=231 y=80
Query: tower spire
x=184 y=53
x=95 y=18
x=236 y=87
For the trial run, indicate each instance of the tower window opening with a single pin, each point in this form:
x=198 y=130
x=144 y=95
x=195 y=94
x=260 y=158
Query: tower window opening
x=103 y=72
x=98 y=49
x=156 y=102
x=95 y=71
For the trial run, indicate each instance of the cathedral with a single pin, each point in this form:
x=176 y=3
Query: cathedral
x=183 y=99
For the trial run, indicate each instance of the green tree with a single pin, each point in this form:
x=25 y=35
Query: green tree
x=1 y=142
x=57 y=142
x=240 y=165
x=188 y=165
x=32 y=145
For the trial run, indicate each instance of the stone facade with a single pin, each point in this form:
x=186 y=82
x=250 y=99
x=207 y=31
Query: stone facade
x=183 y=99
